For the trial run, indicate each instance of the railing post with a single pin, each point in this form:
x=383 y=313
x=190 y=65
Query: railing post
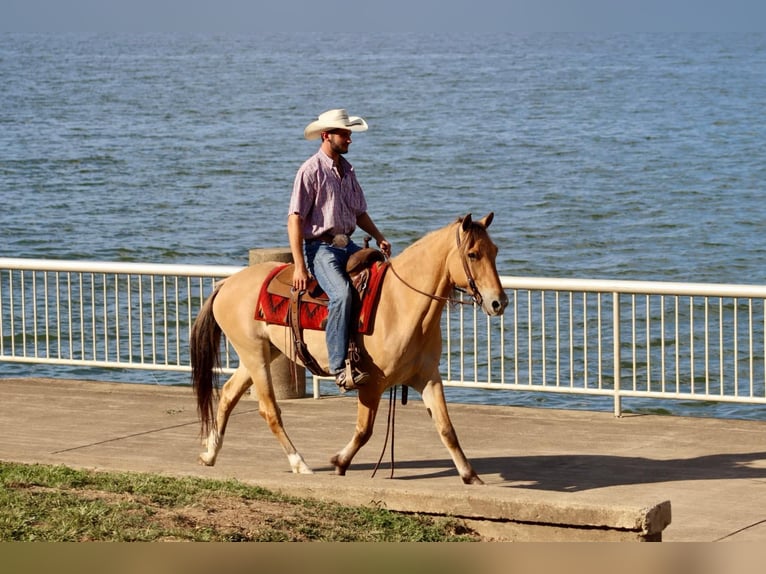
x=616 y=352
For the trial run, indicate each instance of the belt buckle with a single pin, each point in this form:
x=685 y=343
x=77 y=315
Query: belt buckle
x=341 y=240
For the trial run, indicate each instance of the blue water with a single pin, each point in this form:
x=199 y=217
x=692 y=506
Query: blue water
x=636 y=156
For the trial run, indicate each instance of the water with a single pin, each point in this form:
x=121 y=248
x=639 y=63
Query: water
x=636 y=156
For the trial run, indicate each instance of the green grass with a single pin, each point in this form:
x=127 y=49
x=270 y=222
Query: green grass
x=57 y=503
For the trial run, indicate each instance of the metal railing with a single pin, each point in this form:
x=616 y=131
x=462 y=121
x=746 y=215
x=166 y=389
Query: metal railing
x=661 y=340
x=99 y=314
x=596 y=337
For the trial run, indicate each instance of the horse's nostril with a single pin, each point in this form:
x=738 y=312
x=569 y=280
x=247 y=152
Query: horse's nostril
x=498 y=305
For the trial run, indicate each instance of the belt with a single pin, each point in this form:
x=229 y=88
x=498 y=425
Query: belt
x=339 y=240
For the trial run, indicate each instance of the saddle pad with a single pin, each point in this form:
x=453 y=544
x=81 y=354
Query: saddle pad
x=274 y=305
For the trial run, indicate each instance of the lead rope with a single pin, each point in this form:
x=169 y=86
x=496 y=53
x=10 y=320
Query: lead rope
x=389 y=427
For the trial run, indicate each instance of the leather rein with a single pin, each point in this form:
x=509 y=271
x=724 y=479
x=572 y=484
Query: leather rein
x=473 y=291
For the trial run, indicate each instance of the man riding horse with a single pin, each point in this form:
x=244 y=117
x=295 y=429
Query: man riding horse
x=326 y=205
x=400 y=348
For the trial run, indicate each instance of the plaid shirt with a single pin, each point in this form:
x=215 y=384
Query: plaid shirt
x=325 y=202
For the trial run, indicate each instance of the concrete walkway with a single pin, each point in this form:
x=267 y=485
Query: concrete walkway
x=551 y=475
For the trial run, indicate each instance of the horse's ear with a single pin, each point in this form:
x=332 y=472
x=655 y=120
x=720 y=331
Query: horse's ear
x=487 y=220
x=466 y=222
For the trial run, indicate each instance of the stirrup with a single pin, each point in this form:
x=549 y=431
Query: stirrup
x=350 y=378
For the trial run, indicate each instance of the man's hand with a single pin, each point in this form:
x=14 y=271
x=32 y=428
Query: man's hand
x=385 y=247
x=295 y=234
x=365 y=222
x=300 y=277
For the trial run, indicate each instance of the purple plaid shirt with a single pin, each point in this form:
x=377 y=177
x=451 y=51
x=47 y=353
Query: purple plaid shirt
x=325 y=203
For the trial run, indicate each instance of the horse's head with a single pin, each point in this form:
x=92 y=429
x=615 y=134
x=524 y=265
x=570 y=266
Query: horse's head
x=473 y=265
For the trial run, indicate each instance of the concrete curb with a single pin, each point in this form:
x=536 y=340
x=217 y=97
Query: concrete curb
x=494 y=512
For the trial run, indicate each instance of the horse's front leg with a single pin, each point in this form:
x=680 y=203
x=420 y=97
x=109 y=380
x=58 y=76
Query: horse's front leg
x=433 y=398
x=367 y=408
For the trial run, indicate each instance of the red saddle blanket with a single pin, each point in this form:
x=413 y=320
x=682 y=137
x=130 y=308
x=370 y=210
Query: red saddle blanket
x=274 y=300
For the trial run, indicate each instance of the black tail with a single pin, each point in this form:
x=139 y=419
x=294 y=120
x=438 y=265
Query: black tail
x=205 y=352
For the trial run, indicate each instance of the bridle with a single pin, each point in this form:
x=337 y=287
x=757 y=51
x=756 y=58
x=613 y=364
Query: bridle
x=472 y=290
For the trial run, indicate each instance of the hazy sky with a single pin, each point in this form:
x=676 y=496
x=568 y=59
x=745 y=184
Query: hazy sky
x=381 y=15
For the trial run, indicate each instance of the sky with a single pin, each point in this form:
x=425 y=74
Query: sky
x=247 y=16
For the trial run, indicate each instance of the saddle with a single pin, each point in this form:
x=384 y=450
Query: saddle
x=279 y=304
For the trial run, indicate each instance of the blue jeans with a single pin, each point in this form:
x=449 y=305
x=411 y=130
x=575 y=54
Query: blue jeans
x=327 y=264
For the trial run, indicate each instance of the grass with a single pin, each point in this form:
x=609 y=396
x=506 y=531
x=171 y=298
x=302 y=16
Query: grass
x=57 y=503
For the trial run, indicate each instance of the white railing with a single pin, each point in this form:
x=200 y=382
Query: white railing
x=691 y=341
x=99 y=314
x=597 y=337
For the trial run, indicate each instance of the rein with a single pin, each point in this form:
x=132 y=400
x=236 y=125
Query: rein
x=473 y=290
x=390 y=427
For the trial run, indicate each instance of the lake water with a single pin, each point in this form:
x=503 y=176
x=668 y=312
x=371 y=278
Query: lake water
x=636 y=156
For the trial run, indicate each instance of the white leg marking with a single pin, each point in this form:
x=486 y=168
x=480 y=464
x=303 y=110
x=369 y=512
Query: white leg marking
x=298 y=465
x=214 y=442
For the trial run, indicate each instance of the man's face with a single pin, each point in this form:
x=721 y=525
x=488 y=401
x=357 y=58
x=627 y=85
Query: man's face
x=339 y=140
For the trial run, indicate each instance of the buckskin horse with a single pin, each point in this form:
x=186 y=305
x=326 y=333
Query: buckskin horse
x=404 y=348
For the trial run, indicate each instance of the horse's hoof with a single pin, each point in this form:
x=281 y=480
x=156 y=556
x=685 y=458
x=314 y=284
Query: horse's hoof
x=206 y=460
x=298 y=465
x=473 y=479
x=340 y=469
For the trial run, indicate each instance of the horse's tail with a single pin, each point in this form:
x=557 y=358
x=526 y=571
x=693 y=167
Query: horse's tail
x=205 y=353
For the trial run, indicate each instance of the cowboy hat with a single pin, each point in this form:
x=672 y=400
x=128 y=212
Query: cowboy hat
x=334 y=120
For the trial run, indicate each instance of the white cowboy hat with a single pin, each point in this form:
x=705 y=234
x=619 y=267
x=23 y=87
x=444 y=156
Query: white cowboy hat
x=333 y=120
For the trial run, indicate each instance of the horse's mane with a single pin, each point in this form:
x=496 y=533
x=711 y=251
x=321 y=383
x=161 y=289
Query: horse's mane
x=474 y=229
x=426 y=239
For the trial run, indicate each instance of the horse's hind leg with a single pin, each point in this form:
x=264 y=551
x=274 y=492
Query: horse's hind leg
x=232 y=391
x=258 y=365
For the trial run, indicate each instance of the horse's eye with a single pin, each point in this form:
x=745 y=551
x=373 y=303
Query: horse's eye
x=473 y=256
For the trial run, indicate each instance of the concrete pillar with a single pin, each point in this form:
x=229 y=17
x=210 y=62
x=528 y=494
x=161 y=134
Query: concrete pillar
x=285 y=386
x=282 y=254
